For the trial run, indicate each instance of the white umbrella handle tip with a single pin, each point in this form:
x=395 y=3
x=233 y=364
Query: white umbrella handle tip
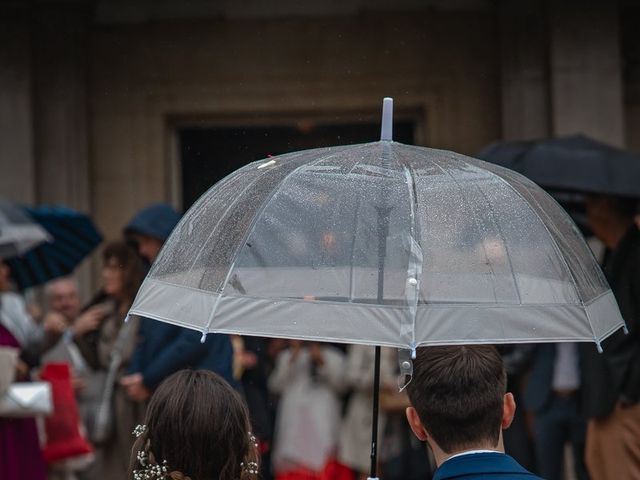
x=386 y=131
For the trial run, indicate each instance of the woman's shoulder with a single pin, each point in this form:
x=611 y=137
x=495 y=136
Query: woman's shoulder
x=12 y=301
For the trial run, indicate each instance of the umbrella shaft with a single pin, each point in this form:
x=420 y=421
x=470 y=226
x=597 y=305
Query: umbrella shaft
x=374 y=423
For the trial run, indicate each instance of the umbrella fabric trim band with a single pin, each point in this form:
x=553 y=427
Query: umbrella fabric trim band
x=431 y=304
x=324 y=321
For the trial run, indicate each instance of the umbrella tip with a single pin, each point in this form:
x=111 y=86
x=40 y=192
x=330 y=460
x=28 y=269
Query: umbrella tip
x=203 y=338
x=599 y=347
x=386 y=131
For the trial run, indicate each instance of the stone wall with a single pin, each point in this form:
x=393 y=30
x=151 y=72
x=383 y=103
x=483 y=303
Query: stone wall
x=442 y=69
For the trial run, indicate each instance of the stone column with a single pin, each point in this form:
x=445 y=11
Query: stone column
x=61 y=43
x=61 y=36
x=586 y=75
x=524 y=71
x=17 y=172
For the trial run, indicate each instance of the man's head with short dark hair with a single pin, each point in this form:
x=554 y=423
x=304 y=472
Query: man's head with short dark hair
x=459 y=398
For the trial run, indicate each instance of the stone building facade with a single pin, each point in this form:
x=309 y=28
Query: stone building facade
x=94 y=93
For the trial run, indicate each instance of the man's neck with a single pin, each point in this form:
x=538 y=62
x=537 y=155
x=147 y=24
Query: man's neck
x=442 y=456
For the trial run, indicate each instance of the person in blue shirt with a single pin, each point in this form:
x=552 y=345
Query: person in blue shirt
x=163 y=349
x=460 y=406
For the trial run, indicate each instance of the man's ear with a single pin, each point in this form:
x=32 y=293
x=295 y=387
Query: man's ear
x=508 y=410
x=416 y=424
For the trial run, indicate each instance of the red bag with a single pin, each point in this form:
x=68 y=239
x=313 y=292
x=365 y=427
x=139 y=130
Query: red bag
x=64 y=439
x=333 y=470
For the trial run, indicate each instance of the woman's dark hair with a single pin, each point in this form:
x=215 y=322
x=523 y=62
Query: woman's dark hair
x=130 y=263
x=199 y=425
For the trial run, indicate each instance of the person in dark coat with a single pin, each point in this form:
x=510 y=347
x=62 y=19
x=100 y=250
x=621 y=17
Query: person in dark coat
x=460 y=406
x=163 y=349
x=552 y=393
x=611 y=380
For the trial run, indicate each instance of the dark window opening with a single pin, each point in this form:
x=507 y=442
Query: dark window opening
x=209 y=154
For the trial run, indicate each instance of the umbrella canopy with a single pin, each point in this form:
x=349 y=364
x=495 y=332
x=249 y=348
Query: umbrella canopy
x=380 y=244
x=74 y=236
x=18 y=232
x=571 y=163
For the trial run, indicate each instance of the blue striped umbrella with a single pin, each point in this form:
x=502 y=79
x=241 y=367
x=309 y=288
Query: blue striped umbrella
x=74 y=237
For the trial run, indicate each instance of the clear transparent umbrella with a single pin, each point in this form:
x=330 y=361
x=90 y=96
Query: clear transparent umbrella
x=380 y=244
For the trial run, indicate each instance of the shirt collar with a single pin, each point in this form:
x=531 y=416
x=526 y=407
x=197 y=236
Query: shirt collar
x=471 y=452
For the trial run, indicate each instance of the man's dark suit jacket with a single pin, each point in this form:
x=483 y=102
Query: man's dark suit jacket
x=615 y=373
x=483 y=466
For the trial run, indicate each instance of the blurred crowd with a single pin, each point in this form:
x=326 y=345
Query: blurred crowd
x=310 y=403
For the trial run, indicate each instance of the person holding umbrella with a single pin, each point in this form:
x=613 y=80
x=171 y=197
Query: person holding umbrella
x=20 y=455
x=460 y=406
x=611 y=381
x=163 y=349
x=431 y=248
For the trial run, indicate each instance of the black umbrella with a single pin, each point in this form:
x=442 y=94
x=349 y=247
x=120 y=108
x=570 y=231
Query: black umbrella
x=570 y=168
x=573 y=163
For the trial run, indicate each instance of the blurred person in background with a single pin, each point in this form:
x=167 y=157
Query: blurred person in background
x=122 y=274
x=62 y=299
x=62 y=296
x=552 y=394
x=354 y=447
x=611 y=380
x=161 y=348
x=20 y=455
x=252 y=367
x=308 y=376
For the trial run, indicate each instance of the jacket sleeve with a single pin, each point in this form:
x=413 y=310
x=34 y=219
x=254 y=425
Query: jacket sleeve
x=631 y=387
x=333 y=369
x=135 y=362
x=282 y=372
x=88 y=346
x=179 y=354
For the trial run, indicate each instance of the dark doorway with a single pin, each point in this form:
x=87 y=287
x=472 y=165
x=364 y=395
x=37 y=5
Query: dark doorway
x=209 y=154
